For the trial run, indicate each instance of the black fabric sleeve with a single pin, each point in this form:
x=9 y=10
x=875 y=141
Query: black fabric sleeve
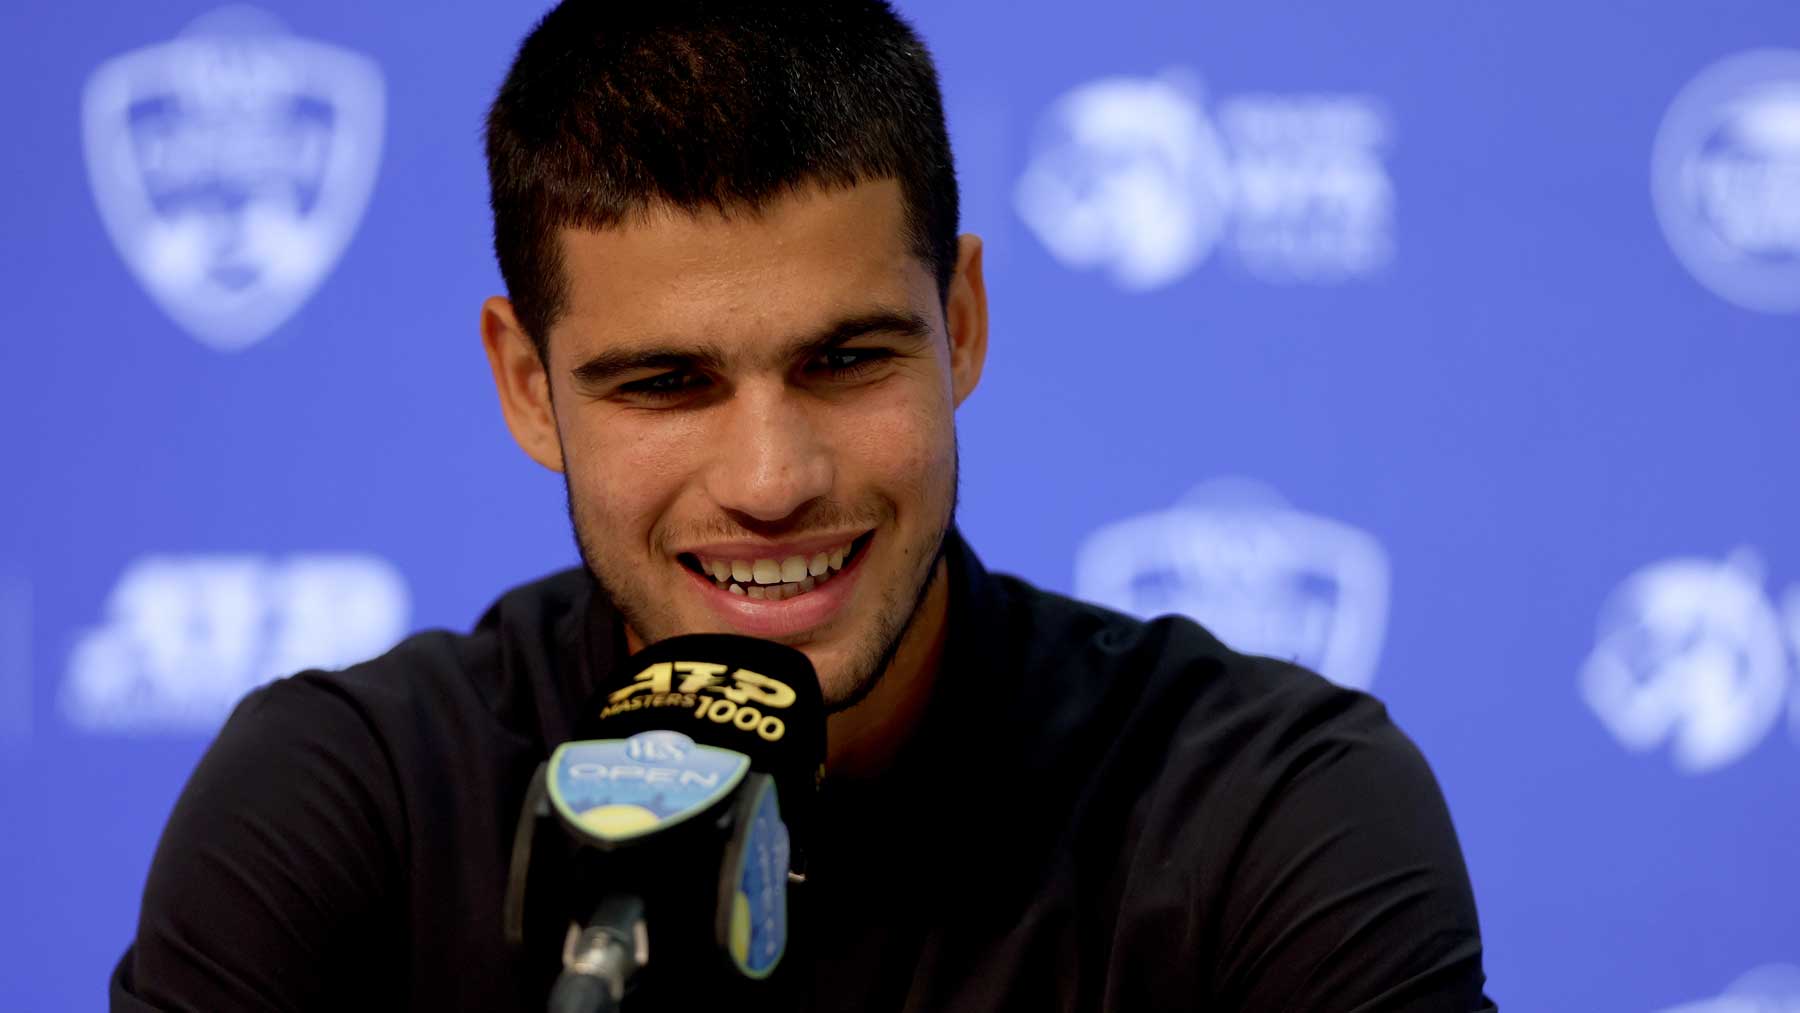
x=270 y=888
x=1347 y=890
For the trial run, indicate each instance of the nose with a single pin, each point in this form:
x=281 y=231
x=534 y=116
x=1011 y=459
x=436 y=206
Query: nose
x=771 y=459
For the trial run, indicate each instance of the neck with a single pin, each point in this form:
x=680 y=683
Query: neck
x=862 y=741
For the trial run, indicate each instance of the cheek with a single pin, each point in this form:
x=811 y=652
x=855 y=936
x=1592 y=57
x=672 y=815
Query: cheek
x=902 y=443
x=625 y=474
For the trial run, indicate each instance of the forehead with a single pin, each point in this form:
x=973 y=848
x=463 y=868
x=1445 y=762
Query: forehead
x=740 y=276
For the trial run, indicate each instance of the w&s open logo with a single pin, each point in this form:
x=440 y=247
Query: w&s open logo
x=1143 y=178
x=231 y=167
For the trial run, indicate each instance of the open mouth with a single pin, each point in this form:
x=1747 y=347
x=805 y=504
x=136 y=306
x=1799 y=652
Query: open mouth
x=770 y=579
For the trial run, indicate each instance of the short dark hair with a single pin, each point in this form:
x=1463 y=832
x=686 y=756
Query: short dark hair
x=614 y=108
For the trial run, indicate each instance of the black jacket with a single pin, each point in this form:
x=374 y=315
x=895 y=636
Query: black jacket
x=1096 y=813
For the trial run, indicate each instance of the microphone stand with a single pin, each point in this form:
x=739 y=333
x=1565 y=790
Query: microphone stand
x=598 y=960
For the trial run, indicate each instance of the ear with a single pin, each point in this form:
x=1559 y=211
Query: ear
x=523 y=385
x=966 y=315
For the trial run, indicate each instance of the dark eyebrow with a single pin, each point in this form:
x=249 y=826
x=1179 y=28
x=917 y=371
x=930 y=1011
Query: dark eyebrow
x=600 y=369
x=604 y=367
x=904 y=323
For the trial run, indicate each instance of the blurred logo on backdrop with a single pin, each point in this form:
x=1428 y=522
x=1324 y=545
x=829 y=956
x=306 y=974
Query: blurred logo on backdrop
x=1693 y=654
x=184 y=637
x=1263 y=577
x=1725 y=175
x=1136 y=176
x=231 y=166
x=1774 y=988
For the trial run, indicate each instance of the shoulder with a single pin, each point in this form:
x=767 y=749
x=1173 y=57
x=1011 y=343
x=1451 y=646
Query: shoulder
x=502 y=671
x=1234 y=706
x=1202 y=722
x=289 y=854
x=1304 y=830
x=536 y=613
x=333 y=753
x=1167 y=731
x=317 y=720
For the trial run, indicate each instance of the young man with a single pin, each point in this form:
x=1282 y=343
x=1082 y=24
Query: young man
x=740 y=323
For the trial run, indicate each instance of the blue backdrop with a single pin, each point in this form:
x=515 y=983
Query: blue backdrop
x=1449 y=348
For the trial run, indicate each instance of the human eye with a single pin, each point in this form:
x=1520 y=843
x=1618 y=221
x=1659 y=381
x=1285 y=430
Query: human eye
x=848 y=363
x=669 y=386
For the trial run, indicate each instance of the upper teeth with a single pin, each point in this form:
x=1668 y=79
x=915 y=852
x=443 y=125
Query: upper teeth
x=791 y=570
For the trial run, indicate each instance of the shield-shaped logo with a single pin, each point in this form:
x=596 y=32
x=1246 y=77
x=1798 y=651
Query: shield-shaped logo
x=608 y=790
x=1262 y=576
x=231 y=167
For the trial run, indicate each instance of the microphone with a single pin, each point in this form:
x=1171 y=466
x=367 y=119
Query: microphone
x=685 y=801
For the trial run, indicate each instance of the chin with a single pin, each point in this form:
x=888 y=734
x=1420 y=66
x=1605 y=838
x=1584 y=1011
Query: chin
x=835 y=682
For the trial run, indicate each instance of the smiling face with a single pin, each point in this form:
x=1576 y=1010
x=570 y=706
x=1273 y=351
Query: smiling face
x=754 y=414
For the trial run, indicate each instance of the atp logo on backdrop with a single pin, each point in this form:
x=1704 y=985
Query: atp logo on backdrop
x=1774 y=988
x=1263 y=577
x=231 y=166
x=1694 y=654
x=184 y=637
x=1133 y=176
x=1725 y=176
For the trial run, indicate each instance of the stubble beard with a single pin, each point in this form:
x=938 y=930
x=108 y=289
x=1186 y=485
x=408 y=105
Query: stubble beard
x=870 y=660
